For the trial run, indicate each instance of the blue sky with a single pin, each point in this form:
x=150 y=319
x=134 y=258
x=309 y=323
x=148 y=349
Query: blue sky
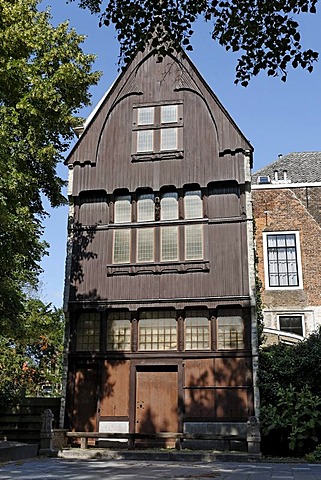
x=276 y=117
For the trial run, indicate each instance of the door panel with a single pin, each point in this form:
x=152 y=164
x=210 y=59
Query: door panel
x=115 y=389
x=157 y=402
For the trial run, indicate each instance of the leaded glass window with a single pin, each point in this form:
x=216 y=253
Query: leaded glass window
x=157 y=331
x=230 y=333
x=197 y=330
x=118 y=331
x=88 y=332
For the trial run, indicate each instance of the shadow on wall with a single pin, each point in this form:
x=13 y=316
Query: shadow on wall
x=221 y=392
x=81 y=241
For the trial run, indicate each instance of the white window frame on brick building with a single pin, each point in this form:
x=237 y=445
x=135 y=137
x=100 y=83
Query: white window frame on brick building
x=282 y=260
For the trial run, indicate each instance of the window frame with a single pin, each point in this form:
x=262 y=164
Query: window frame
x=108 y=336
x=162 y=216
x=291 y=315
x=298 y=260
x=188 y=315
x=157 y=337
x=95 y=317
x=157 y=128
x=244 y=333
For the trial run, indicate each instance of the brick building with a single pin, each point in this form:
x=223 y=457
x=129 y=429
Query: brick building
x=287 y=209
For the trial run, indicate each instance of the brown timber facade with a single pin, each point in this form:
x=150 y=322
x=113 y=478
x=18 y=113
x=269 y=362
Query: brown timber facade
x=160 y=279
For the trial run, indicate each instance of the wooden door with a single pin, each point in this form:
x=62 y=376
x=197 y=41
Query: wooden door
x=157 y=402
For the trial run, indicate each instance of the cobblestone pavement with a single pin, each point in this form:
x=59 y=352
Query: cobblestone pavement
x=61 y=469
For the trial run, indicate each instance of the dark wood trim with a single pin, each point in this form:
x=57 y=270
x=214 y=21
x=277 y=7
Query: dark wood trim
x=90 y=358
x=158 y=156
x=180 y=331
x=180 y=399
x=109 y=418
x=186 y=266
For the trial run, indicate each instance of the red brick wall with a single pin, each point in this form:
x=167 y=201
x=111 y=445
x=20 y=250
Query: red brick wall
x=286 y=209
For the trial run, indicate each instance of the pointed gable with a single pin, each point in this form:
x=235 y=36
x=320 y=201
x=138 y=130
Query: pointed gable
x=199 y=143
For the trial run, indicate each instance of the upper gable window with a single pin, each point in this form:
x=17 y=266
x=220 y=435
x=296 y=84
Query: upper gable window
x=157 y=130
x=145 y=141
x=145 y=116
x=168 y=113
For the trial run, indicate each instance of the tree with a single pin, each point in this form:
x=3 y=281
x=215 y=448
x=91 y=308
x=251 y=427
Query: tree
x=32 y=358
x=265 y=32
x=44 y=81
x=290 y=386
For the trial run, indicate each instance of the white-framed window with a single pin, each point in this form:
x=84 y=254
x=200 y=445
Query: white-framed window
x=169 y=206
x=146 y=207
x=169 y=244
x=194 y=242
x=193 y=208
x=123 y=209
x=291 y=323
x=282 y=260
x=230 y=333
x=169 y=113
x=159 y=234
x=197 y=330
x=118 y=331
x=88 y=332
x=193 y=205
x=145 y=245
x=145 y=141
x=121 y=250
x=168 y=139
x=145 y=115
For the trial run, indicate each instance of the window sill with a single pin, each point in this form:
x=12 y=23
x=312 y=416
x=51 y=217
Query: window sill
x=158 y=268
x=157 y=156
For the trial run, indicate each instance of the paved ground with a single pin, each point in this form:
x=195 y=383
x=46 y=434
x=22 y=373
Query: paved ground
x=61 y=469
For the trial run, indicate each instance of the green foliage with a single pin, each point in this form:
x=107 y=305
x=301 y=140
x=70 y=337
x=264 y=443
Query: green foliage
x=32 y=356
x=296 y=416
x=44 y=81
x=290 y=386
x=258 y=296
x=266 y=34
x=314 y=456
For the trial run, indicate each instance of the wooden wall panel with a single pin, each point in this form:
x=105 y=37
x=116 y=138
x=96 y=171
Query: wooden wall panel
x=228 y=272
x=232 y=372
x=217 y=388
x=84 y=412
x=199 y=372
x=200 y=403
x=115 y=389
x=231 y=404
x=93 y=213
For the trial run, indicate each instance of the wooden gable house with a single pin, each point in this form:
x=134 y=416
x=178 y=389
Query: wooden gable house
x=160 y=274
